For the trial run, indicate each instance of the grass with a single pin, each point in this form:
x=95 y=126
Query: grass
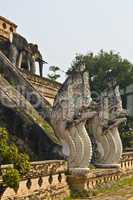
x=121 y=187
x=121 y=184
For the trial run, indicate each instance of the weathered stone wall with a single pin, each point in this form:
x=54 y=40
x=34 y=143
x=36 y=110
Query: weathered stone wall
x=47 y=88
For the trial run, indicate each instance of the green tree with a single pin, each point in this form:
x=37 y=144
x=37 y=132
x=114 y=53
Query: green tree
x=122 y=71
x=54 y=73
x=99 y=64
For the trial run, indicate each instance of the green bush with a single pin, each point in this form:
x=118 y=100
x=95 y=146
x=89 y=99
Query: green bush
x=4 y=136
x=22 y=164
x=14 y=153
x=5 y=153
x=127 y=139
x=10 y=154
x=12 y=178
x=126 y=133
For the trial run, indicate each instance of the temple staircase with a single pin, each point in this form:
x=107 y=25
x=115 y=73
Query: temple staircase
x=17 y=93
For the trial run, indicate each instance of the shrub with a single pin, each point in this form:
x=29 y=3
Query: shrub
x=4 y=136
x=12 y=178
x=127 y=139
x=10 y=154
x=126 y=130
x=22 y=163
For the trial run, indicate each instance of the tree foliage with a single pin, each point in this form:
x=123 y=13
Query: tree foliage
x=99 y=64
x=126 y=130
x=122 y=70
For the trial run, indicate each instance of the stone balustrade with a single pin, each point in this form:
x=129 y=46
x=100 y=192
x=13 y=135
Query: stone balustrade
x=101 y=177
x=97 y=177
x=42 y=168
x=48 y=180
x=127 y=161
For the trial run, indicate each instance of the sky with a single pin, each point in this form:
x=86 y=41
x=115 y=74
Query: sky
x=62 y=28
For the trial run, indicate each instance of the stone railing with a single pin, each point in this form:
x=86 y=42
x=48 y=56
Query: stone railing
x=47 y=168
x=127 y=161
x=46 y=180
x=42 y=168
x=95 y=178
x=101 y=177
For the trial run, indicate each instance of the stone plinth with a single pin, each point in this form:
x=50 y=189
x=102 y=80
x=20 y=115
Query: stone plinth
x=93 y=179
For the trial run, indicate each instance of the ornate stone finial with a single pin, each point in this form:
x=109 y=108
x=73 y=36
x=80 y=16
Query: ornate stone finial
x=6 y=27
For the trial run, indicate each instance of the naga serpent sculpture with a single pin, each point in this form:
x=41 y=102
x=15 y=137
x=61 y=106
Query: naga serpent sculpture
x=104 y=128
x=72 y=108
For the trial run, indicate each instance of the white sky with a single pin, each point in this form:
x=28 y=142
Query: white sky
x=63 y=28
